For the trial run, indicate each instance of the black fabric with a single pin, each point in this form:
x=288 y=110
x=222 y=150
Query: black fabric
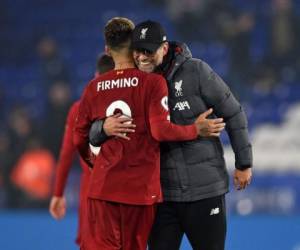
x=97 y=134
x=195 y=170
x=203 y=222
x=148 y=35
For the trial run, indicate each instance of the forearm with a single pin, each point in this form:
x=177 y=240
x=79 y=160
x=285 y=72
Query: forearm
x=60 y=183
x=97 y=135
x=66 y=157
x=163 y=130
x=62 y=172
x=216 y=94
x=237 y=130
x=242 y=148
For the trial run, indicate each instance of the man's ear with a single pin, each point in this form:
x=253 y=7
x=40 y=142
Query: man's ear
x=166 y=48
x=107 y=50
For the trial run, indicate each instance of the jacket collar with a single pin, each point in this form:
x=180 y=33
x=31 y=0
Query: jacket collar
x=178 y=53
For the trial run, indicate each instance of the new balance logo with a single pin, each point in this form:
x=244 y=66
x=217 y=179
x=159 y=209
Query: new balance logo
x=215 y=211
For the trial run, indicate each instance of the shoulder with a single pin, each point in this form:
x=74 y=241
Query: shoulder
x=156 y=82
x=197 y=64
x=199 y=68
x=101 y=77
x=91 y=86
x=155 y=77
x=75 y=106
x=193 y=69
x=73 y=111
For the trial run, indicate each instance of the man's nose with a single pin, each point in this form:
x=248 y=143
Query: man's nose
x=143 y=57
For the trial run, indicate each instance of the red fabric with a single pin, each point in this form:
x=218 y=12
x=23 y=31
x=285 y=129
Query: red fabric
x=66 y=157
x=128 y=171
x=67 y=153
x=82 y=213
x=113 y=226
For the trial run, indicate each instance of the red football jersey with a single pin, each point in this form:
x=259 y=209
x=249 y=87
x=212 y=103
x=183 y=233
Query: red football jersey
x=66 y=157
x=128 y=171
x=67 y=153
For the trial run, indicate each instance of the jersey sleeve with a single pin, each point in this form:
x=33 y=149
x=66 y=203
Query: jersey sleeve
x=67 y=153
x=82 y=127
x=161 y=127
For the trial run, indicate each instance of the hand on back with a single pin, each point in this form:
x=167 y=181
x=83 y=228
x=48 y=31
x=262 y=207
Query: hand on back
x=209 y=127
x=118 y=125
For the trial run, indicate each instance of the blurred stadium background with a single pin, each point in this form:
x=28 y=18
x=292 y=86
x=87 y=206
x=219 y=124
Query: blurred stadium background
x=48 y=50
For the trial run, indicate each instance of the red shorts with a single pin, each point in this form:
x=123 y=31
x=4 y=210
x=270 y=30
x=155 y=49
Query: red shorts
x=82 y=213
x=118 y=226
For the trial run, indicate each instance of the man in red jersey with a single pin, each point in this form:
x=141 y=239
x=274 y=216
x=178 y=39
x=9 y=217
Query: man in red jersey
x=125 y=181
x=57 y=207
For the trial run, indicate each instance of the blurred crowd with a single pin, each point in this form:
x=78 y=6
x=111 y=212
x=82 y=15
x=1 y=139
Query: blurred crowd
x=238 y=27
x=263 y=42
x=29 y=147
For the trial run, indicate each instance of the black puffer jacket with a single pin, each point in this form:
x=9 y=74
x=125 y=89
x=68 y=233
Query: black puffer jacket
x=195 y=170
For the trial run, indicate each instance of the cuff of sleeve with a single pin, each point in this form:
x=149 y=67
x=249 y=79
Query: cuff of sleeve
x=58 y=193
x=243 y=167
x=97 y=134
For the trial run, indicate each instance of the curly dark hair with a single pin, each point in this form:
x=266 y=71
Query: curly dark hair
x=118 y=32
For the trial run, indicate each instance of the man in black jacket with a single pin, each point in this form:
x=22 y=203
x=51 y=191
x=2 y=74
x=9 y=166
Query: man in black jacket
x=193 y=174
